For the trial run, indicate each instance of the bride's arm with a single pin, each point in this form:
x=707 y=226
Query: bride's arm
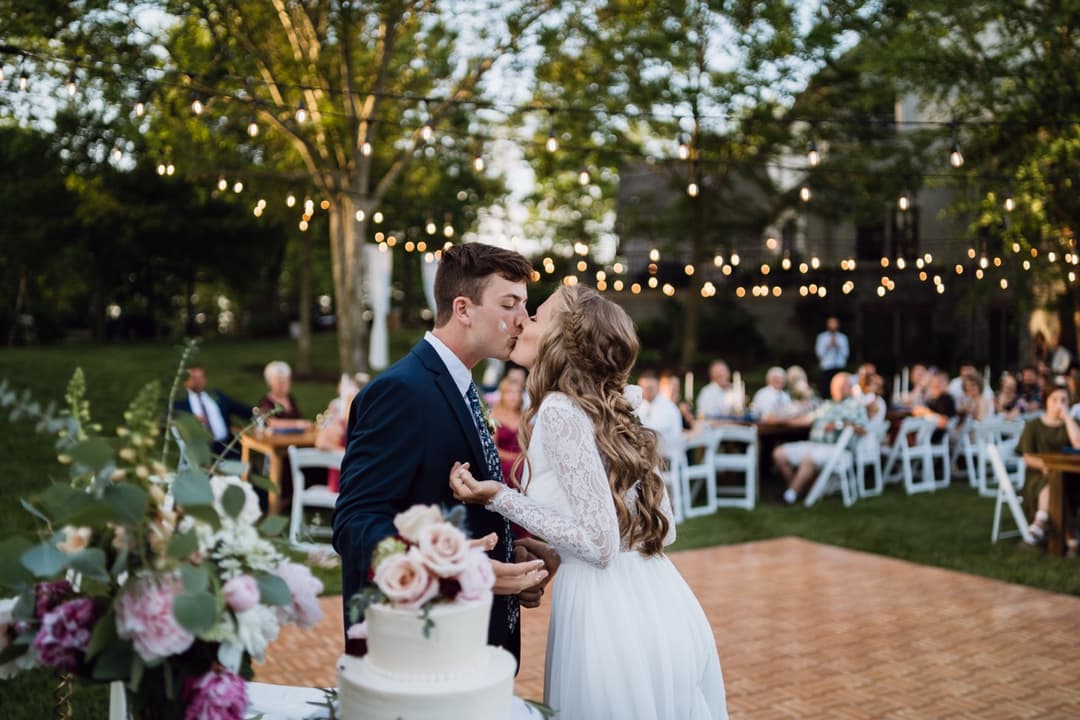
x=591 y=531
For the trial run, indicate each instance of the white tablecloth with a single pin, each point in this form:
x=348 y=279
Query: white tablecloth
x=285 y=702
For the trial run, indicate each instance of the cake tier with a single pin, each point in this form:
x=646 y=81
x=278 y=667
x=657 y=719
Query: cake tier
x=484 y=693
x=455 y=643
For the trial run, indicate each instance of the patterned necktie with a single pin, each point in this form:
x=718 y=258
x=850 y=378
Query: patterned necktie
x=494 y=472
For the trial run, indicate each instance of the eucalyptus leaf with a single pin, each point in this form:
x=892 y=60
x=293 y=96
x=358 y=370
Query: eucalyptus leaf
x=91 y=563
x=103 y=634
x=128 y=502
x=94 y=453
x=206 y=514
x=192 y=489
x=114 y=661
x=196 y=439
x=13 y=574
x=182 y=545
x=273 y=525
x=232 y=467
x=273 y=590
x=195 y=577
x=34 y=511
x=262 y=483
x=61 y=501
x=232 y=500
x=195 y=611
x=44 y=560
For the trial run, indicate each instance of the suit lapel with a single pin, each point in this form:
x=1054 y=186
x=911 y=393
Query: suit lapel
x=445 y=383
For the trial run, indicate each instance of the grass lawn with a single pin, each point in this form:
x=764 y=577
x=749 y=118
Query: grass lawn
x=949 y=529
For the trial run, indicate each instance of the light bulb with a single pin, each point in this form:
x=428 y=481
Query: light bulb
x=583 y=176
x=804 y=193
x=448 y=230
x=290 y=200
x=197 y=106
x=238 y=187
x=904 y=202
x=222 y=184
x=552 y=143
x=430 y=227
x=140 y=108
x=24 y=80
x=478 y=163
x=684 y=147
x=426 y=132
x=117 y=153
x=71 y=85
x=1 y=73
x=956 y=158
x=170 y=169
x=301 y=113
x=813 y=157
x=253 y=128
x=1010 y=203
x=692 y=189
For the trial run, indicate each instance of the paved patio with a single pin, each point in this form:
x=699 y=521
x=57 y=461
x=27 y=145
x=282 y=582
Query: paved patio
x=812 y=631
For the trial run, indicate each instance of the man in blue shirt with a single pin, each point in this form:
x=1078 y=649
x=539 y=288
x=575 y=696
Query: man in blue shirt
x=832 y=352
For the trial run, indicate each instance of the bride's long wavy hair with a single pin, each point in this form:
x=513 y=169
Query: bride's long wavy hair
x=587 y=354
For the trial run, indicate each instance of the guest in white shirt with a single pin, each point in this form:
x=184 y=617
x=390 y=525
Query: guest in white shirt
x=718 y=397
x=658 y=413
x=212 y=408
x=832 y=352
x=956 y=385
x=772 y=401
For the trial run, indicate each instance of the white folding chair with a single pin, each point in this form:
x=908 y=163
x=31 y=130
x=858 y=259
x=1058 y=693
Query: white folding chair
x=705 y=440
x=1006 y=495
x=181 y=446
x=912 y=446
x=672 y=474
x=868 y=453
x=1005 y=436
x=838 y=472
x=316 y=496
x=940 y=451
x=744 y=462
x=963 y=447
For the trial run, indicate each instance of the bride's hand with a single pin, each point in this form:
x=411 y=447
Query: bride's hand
x=468 y=489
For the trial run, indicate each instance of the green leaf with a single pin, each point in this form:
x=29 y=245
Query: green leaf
x=94 y=514
x=182 y=545
x=61 y=501
x=94 y=453
x=233 y=500
x=120 y=564
x=232 y=467
x=128 y=502
x=195 y=577
x=195 y=611
x=192 y=489
x=44 y=560
x=196 y=439
x=114 y=661
x=33 y=511
x=91 y=563
x=206 y=514
x=13 y=574
x=103 y=634
x=137 y=668
x=273 y=525
x=261 y=482
x=273 y=590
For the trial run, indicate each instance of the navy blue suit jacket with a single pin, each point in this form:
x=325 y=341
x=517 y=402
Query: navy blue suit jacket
x=229 y=407
x=406 y=429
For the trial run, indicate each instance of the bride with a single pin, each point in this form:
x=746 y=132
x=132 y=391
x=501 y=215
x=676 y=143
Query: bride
x=627 y=637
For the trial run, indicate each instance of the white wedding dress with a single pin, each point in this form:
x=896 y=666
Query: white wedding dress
x=628 y=639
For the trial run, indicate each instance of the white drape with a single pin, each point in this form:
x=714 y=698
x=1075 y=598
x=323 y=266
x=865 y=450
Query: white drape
x=380 y=264
x=428 y=268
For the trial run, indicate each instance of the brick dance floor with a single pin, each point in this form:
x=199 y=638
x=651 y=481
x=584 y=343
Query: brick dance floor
x=813 y=631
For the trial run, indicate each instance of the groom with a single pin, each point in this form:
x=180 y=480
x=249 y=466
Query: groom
x=409 y=425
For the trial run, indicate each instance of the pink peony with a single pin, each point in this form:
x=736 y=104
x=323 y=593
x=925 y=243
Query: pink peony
x=305 y=589
x=357 y=631
x=405 y=580
x=65 y=634
x=145 y=615
x=241 y=593
x=477 y=578
x=49 y=595
x=217 y=695
x=412 y=521
x=444 y=548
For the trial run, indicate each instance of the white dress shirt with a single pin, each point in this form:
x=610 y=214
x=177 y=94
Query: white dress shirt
x=715 y=400
x=770 y=401
x=460 y=374
x=832 y=356
x=202 y=405
x=663 y=416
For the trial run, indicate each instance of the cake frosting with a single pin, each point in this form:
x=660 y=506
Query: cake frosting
x=448 y=674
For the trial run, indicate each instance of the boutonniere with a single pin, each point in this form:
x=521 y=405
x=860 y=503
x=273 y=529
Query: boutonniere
x=489 y=422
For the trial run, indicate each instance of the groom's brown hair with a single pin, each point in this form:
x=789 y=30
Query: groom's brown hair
x=464 y=271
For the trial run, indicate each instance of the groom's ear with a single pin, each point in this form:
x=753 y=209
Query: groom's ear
x=460 y=310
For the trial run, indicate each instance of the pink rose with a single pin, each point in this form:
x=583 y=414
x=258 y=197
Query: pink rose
x=357 y=631
x=412 y=521
x=444 y=548
x=217 y=695
x=405 y=580
x=144 y=613
x=477 y=578
x=241 y=593
x=305 y=589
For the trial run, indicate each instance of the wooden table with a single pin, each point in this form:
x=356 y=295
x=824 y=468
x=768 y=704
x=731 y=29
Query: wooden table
x=274 y=445
x=1057 y=464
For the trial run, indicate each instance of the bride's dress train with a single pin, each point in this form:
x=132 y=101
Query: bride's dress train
x=628 y=640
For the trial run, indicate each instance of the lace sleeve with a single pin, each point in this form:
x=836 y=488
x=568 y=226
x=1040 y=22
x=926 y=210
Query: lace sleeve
x=591 y=531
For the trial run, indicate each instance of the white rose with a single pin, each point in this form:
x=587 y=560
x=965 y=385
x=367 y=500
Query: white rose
x=633 y=395
x=75 y=539
x=256 y=629
x=412 y=521
x=445 y=549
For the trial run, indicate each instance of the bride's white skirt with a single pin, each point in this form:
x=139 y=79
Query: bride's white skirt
x=630 y=642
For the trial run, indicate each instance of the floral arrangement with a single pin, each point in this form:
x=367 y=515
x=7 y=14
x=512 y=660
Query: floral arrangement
x=429 y=561
x=166 y=582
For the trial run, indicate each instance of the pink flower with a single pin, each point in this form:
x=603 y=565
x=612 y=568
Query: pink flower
x=145 y=615
x=217 y=695
x=64 y=634
x=241 y=593
x=477 y=578
x=305 y=589
x=357 y=631
x=412 y=521
x=48 y=595
x=444 y=548
x=405 y=580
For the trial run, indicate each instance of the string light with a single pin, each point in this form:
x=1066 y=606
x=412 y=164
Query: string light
x=904 y=202
x=140 y=107
x=427 y=132
x=1010 y=203
x=238 y=187
x=197 y=105
x=1 y=73
x=804 y=193
x=24 y=80
x=956 y=158
x=290 y=200
x=71 y=85
x=813 y=157
x=552 y=142
x=654 y=255
x=583 y=176
x=692 y=189
x=365 y=148
x=360 y=216
x=735 y=260
x=301 y=113
x=222 y=184
x=253 y=128
x=478 y=163
x=430 y=228
x=684 y=146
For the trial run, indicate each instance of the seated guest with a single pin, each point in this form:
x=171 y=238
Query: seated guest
x=671 y=388
x=798 y=386
x=939 y=405
x=334 y=421
x=916 y=394
x=956 y=385
x=799 y=462
x=718 y=397
x=1008 y=401
x=873 y=397
x=975 y=404
x=507 y=413
x=772 y=401
x=1051 y=432
x=660 y=414
x=1027 y=389
x=212 y=408
x=278 y=376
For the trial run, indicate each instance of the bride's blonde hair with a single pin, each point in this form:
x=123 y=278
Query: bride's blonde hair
x=587 y=354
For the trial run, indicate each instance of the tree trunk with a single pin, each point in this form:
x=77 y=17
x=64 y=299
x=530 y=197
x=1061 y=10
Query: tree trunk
x=346 y=252
x=20 y=298
x=303 y=307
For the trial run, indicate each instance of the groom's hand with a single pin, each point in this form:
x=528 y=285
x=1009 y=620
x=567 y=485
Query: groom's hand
x=531 y=549
x=512 y=578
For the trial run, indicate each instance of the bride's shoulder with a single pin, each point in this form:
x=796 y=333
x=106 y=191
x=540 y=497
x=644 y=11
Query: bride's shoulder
x=557 y=403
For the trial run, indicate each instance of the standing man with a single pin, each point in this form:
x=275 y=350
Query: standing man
x=832 y=352
x=411 y=423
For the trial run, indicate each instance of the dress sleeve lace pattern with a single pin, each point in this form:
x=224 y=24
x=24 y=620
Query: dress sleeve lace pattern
x=591 y=529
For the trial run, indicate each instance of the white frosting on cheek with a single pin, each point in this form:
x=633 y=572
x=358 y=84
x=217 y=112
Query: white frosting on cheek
x=503 y=328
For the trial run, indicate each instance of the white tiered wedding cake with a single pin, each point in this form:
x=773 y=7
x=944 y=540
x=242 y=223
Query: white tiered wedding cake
x=450 y=674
